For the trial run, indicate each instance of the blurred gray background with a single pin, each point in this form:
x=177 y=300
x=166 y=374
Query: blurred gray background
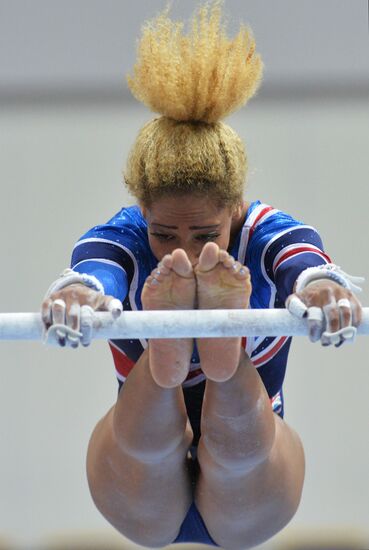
x=67 y=122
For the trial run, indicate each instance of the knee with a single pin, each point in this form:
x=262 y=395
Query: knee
x=141 y=525
x=258 y=526
x=112 y=479
x=233 y=449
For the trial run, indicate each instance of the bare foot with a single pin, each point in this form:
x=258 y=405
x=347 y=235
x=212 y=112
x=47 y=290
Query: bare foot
x=171 y=285
x=222 y=283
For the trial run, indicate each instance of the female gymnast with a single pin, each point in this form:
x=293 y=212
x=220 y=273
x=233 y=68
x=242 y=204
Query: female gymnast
x=195 y=448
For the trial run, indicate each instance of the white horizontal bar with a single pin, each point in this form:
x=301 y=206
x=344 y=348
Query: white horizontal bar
x=174 y=324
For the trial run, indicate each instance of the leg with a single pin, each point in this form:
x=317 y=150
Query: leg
x=252 y=462
x=136 y=462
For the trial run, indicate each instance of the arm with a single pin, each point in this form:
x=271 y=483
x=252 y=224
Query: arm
x=112 y=277
x=311 y=285
x=67 y=309
x=96 y=282
x=325 y=296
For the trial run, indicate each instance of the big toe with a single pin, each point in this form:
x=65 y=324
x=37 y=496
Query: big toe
x=209 y=257
x=181 y=263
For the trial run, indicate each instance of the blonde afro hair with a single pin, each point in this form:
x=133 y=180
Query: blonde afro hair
x=193 y=80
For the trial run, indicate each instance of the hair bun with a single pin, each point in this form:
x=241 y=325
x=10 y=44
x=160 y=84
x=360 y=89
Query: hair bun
x=199 y=76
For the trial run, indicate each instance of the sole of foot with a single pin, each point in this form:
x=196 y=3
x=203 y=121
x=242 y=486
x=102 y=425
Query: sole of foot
x=171 y=286
x=222 y=283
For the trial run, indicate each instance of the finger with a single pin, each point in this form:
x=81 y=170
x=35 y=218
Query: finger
x=58 y=318
x=347 y=309
x=46 y=313
x=58 y=309
x=357 y=311
x=115 y=307
x=86 y=324
x=339 y=319
x=296 y=306
x=345 y=312
x=73 y=321
x=345 y=334
x=332 y=317
x=326 y=339
x=315 y=319
x=332 y=322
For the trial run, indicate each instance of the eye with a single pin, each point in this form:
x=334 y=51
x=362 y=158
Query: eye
x=207 y=237
x=162 y=236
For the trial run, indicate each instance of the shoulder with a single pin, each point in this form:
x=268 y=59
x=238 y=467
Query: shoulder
x=123 y=238
x=263 y=218
x=263 y=223
x=128 y=220
x=127 y=229
x=269 y=227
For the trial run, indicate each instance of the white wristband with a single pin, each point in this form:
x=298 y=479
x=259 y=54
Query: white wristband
x=328 y=271
x=70 y=277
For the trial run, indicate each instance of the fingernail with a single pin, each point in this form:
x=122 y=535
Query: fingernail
x=335 y=340
x=325 y=341
x=315 y=333
x=73 y=341
x=116 y=313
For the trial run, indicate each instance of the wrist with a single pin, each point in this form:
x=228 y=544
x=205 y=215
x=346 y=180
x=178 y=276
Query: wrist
x=331 y=272
x=70 y=277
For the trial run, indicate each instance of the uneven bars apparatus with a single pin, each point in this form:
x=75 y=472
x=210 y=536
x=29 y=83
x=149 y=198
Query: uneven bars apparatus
x=214 y=323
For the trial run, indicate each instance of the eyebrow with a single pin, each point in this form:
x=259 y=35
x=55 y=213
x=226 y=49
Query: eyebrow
x=191 y=226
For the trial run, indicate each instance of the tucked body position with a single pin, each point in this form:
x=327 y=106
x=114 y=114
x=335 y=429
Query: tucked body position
x=196 y=447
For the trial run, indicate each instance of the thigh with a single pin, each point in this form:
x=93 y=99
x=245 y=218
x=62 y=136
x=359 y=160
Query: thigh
x=245 y=508
x=145 y=501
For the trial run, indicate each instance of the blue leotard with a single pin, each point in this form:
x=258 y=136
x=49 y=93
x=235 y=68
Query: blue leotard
x=273 y=245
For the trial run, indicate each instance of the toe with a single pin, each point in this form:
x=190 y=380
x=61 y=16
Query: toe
x=230 y=263
x=209 y=257
x=243 y=272
x=151 y=281
x=166 y=261
x=181 y=263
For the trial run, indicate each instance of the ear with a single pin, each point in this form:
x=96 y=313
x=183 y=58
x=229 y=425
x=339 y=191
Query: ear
x=143 y=210
x=237 y=211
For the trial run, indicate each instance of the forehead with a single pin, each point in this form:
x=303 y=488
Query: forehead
x=186 y=209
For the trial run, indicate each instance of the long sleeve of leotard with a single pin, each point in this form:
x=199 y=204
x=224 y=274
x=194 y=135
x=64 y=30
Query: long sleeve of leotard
x=117 y=253
x=113 y=278
x=292 y=253
x=280 y=248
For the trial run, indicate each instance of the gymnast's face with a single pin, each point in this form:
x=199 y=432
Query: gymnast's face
x=188 y=222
